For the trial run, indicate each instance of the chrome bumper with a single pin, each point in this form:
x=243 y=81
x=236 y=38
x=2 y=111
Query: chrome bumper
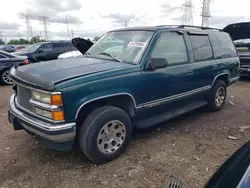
x=54 y=132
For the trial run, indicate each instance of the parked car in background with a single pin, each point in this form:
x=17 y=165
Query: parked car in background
x=70 y=54
x=8 y=60
x=240 y=33
x=98 y=100
x=20 y=48
x=8 y=48
x=44 y=51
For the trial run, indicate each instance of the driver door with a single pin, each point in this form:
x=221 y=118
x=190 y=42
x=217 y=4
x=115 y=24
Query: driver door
x=44 y=52
x=164 y=87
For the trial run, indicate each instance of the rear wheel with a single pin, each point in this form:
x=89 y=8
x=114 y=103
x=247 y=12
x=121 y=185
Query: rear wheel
x=5 y=77
x=105 y=133
x=218 y=95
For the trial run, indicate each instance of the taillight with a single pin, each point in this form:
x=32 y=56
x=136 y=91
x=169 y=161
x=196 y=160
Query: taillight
x=26 y=61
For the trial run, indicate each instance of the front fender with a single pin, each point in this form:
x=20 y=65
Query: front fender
x=72 y=109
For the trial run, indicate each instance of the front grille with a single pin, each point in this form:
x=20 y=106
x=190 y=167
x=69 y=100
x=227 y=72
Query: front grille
x=23 y=97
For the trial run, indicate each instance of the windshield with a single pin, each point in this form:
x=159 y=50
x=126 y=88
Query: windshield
x=126 y=46
x=34 y=47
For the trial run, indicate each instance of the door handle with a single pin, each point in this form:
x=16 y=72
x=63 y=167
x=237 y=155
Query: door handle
x=189 y=72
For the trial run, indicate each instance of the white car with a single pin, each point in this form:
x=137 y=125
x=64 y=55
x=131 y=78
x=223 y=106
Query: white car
x=70 y=54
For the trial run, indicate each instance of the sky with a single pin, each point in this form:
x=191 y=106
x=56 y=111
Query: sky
x=89 y=18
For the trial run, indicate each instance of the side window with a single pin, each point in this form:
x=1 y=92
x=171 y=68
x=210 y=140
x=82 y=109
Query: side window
x=223 y=45
x=201 y=47
x=69 y=46
x=47 y=48
x=58 y=47
x=171 y=46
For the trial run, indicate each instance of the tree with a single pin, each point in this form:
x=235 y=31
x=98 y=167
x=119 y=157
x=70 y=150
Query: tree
x=2 y=42
x=35 y=40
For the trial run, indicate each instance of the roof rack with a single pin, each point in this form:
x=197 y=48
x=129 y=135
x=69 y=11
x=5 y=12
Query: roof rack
x=191 y=26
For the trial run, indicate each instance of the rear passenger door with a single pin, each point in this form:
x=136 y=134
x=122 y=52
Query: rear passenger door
x=203 y=61
x=57 y=49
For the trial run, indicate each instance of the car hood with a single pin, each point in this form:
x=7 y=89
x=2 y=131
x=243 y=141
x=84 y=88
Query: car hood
x=238 y=30
x=45 y=75
x=21 y=53
x=81 y=44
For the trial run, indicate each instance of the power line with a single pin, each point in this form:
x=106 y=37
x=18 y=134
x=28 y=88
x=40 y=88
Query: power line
x=187 y=17
x=205 y=14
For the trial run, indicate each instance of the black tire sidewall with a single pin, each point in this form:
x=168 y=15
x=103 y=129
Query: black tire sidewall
x=212 y=99
x=90 y=130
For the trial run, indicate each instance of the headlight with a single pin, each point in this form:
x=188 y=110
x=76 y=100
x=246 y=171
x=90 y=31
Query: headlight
x=54 y=99
x=42 y=97
x=49 y=105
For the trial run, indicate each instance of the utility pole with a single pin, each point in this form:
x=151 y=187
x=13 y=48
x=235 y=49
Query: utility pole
x=45 y=22
x=205 y=14
x=72 y=33
x=41 y=35
x=126 y=23
x=67 y=26
x=31 y=32
x=187 y=17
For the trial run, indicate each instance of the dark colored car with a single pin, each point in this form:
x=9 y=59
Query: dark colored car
x=8 y=60
x=44 y=51
x=98 y=99
x=8 y=48
x=241 y=31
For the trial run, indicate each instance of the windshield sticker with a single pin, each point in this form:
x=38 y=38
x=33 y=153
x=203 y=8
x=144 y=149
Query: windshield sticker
x=136 y=44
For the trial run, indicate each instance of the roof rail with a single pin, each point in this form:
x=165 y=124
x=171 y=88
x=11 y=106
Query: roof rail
x=199 y=27
x=191 y=26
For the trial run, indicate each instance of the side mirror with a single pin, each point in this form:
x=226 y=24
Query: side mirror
x=157 y=63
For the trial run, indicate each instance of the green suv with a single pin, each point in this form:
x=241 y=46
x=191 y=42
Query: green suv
x=98 y=99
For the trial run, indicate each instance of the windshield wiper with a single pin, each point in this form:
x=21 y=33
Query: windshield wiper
x=87 y=54
x=110 y=55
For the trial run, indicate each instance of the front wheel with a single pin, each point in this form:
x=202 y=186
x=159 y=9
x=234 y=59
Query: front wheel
x=105 y=134
x=217 y=96
x=5 y=77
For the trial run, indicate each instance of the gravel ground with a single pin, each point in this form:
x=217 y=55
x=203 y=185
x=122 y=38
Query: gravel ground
x=190 y=147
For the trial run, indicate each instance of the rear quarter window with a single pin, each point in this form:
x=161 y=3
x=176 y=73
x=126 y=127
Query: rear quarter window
x=201 y=47
x=223 y=45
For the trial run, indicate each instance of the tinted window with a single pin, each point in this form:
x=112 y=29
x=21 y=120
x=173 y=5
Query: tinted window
x=58 y=47
x=47 y=47
x=69 y=46
x=223 y=45
x=171 y=46
x=2 y=56
x=201 y=47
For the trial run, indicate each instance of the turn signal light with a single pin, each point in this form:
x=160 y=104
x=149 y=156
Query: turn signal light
x=58 y=115
x=56 y=99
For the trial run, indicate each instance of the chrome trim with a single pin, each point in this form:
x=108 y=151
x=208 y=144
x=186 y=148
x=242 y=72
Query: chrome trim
x=34 y=114
x=46 y=106
x=39 y=90
x=43 y=126
x=102 y=97
x=174 y=97
x=218 y=76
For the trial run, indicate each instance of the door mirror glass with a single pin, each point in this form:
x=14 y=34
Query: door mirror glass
x=157 y=63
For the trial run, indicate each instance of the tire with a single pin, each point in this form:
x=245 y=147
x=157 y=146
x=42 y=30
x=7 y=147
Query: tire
x=4 y=77
x=213 y=104
x=91 y=139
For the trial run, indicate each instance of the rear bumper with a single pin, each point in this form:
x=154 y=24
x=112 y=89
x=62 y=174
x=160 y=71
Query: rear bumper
x=244 y=70
x=58 y=133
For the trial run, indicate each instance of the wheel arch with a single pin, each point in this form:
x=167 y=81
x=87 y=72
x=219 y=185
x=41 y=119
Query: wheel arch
x=116 y=99
x=222 y=76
